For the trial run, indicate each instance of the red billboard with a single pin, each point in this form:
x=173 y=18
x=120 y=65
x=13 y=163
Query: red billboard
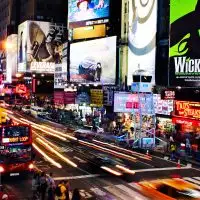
x=187 y=109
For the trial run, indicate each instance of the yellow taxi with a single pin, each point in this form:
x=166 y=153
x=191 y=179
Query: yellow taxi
x=169 y=189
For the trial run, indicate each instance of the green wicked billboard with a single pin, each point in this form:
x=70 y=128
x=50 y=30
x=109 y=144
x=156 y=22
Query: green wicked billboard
x=184 y=68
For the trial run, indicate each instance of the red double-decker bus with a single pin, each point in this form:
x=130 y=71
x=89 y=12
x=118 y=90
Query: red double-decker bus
x=16 y=154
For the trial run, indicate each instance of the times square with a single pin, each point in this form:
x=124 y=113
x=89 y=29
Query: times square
x=103 y=106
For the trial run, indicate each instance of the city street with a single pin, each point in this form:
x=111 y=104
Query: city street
x=100 y=170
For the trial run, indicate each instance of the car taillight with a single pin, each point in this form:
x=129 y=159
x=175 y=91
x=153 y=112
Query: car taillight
x=31 y=166
x=1 y=169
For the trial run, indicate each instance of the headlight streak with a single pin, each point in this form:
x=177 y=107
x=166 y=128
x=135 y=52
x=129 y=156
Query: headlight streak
x=125 y=150
x=56 y=153
x=58 y=165
x=121 y=155
x=111 y=171
x=125 y=169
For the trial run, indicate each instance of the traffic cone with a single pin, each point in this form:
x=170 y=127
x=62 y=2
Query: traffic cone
x=178 y=164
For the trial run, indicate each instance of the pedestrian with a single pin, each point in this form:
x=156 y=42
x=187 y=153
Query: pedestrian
x=76 y=195
x=51 y=187
x=3 y=194
x=67 y=185
x=43 y=185
x=172 y=150
x=188 y=146
x=60 y=191
x=35 y=186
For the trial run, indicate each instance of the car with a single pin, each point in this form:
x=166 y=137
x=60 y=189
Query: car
x=26 y=109
x=170 y=188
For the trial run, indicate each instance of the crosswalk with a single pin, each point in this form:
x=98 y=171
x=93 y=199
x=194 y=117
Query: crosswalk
x=130 y=191
x=114 y=192
x=193 y=180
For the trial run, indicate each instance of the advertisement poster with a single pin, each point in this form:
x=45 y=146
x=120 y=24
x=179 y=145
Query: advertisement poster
x=40 y=46
x=11 y=58
x=81 y=11
x=95 y=63
x=96 y=97
x=22 y=46
x=162 y=107
x=187 y=109
x=130 y=103
x=59 y=97
x=184 y=68
x=142 y=38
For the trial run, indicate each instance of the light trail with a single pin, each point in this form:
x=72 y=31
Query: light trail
x=65 y=135
x=116 y=173
x=55 y=152
x=125 y=169
x=50 y=143
x=124 y=150
x=41 y=127
x=121 y=155
x=46 y=156
x=48 y=133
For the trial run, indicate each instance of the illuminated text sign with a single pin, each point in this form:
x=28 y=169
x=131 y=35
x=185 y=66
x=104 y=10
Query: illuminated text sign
x=187 y=109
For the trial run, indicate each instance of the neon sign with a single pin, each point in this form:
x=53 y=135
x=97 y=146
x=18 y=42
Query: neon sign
x=187 y=109
x=15 y=139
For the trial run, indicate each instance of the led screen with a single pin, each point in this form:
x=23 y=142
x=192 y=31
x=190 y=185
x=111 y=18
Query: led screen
x=93 y=61
x=130 y=103
x=11 y=58
x=184 y=68
x=142 y=38
x=40 y=46
x=85 y=10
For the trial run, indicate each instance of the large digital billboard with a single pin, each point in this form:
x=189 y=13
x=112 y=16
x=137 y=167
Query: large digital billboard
x=40 y=46
x=130 y=103
x=93 y=61
x=87 y=12
x=184 y=68
x=22 y=46
x=11 y=57
x=142 y=38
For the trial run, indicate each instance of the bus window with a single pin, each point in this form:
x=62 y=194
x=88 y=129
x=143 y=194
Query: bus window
x=16 y=154
x=15 y=131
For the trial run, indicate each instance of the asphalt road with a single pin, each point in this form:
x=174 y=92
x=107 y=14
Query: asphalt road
x=92 y=160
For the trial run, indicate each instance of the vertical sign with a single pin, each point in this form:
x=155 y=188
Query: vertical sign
x=184 y=68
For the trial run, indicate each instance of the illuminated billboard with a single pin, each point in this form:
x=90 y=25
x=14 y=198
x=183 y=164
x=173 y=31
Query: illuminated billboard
x=142 y=38
x=130 y=103
x=22 y=47
x=11 y=57
x=93 y=61
x=42 y=47
x=184 y=68
x=87 y=12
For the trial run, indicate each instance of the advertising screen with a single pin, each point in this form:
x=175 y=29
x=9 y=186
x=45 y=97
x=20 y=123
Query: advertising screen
x=82 y=11
x=40 y=46
x=142 y=38
x=184 y=68
x=93 y=61
x=11 y=58
x=162 y=107
x=22 y=46
x=129 y=103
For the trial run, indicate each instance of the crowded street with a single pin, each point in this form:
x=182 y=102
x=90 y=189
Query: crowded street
x=84 y=162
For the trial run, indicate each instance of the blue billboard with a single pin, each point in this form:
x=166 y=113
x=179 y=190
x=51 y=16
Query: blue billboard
x=81 y=11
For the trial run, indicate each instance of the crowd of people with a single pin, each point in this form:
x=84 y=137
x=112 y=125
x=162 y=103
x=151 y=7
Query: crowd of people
x=45 y=188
